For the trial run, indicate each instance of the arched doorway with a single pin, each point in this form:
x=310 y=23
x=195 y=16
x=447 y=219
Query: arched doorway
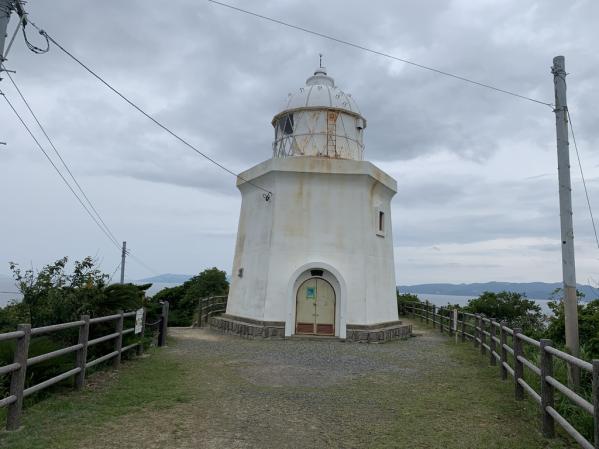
x=315 y=307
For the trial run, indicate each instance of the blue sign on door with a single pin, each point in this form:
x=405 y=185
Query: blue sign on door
x=310 y=293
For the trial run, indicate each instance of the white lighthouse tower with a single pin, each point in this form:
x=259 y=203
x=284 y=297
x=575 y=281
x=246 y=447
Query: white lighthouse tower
x=316 y=258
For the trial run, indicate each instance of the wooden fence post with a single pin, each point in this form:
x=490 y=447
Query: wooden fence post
x=420 y=314
x=518 y=365
x=426 y=312
x=596 y=401
x=163 y=325
x=206 y=309
x=118 y=341
x=476 y=332
x=502 y=350
x=17 y=378
x=483 y=337
x=81 y=359
x=546 y=389
x=463 y=327
x=201 y=312
x=450 y=322
x=142 y=334
x=441 y=319
x=492 y=345
x=434 y=313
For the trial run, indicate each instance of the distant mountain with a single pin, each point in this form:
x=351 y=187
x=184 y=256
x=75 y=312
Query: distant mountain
x=535 y=290
x=167 y=278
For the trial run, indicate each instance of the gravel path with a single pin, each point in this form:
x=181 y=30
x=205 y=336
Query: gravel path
x=424 y=392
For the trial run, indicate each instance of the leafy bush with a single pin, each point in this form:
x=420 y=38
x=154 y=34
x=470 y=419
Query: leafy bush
x=512 y=307
x=407 y=297
x=54 y=295
x=183 y=299
x=588 y=323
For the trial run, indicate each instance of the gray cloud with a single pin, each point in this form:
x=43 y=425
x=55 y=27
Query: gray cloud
x=472 y=165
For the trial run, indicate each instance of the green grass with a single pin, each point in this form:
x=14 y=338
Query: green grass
x=514 y=424
x=60 y=421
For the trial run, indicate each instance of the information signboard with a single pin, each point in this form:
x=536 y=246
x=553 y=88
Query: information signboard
x=139 y=318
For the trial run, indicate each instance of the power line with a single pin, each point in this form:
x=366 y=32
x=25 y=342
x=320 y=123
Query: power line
x=140 y=262
x=30 y=46
x=586 y=192
x=380 y=53
x=267 y=193
x=57 y=170
x=61 y=159
x=106 y=230
x=113 y=273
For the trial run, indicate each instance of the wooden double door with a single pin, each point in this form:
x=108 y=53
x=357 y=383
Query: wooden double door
x=315 y=308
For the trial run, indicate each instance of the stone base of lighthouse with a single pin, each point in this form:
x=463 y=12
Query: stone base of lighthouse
x=317 y=258
x=247 y=328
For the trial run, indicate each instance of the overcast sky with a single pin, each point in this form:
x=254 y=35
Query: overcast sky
x=476 y=169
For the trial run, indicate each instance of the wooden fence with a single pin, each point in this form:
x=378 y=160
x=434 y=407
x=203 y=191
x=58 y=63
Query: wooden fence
x=492 y=338
x=21 y=359
x=209 y=306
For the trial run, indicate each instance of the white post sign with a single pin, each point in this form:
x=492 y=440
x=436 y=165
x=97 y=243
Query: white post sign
x=455 y=324
x=139 y=318
x=455 y=320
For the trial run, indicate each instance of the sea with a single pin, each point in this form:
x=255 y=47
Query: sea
x=8 y=291
x=443 y=300
x=7 y=285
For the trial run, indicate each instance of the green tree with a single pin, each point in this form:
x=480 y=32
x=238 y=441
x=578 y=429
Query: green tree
x=56 y=294
x=407 y=297
x=588 y=322
x=512 y=307
x=53 y=295
x=183 y=299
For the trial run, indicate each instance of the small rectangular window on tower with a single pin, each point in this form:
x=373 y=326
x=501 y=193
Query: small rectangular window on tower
x=379 y=222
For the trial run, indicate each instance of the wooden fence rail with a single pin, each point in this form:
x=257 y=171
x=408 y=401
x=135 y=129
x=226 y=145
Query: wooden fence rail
x=491 y=338
x=208 y=307
x=21 y=359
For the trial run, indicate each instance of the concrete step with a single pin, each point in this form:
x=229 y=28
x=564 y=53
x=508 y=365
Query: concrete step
x=309 y=337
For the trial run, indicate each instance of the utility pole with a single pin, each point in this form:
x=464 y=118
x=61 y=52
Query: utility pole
x=123 y=255
x=565 y=209
x=6 y=7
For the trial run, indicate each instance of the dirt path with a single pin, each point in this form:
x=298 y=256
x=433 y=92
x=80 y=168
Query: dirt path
x=425 y=392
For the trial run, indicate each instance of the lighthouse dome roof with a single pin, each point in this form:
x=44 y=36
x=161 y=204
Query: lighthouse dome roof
x=320 y=92
x=319 y=120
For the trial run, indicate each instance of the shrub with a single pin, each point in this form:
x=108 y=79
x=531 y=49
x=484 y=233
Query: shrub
x=183 y=299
